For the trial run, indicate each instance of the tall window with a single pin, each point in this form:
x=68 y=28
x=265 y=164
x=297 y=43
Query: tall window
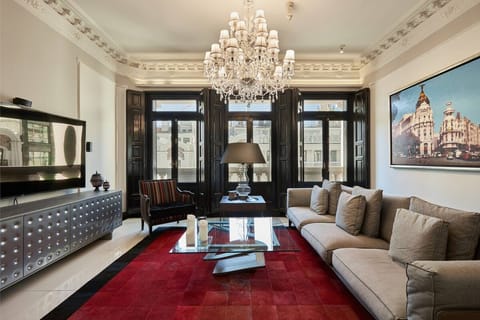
x=322 y=140
x=312 y=150
x=262 y=134
x=237 y=132
x=162 y=150
x=174 y=139
x=251 y=123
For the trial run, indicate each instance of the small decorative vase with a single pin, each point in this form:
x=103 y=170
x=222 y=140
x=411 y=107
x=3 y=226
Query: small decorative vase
x=96 y=180
x=106 y=185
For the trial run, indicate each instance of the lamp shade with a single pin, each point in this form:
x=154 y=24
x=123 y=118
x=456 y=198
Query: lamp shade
x=243 y=152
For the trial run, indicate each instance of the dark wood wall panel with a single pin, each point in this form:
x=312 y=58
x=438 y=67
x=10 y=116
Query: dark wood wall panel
x=285 y=108
x=215 y=139
x=361 y=138
x=135 y=148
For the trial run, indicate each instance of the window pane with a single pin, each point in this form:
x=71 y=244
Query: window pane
x=253 y=107
x=338 y=150
x=313 y=151
x=162 y=149
x=174 y=105
x=262 y=132
x=325 y=105
x=237 y=132
x=187 y=151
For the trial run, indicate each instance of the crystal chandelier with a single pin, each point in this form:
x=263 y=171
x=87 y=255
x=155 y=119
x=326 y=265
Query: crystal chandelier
x=245 y=64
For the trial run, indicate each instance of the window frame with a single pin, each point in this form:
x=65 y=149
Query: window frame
x=174 y=117
x=250 y=117
x=325 y=117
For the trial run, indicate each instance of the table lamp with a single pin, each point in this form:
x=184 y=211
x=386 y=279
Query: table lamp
x=245 y=154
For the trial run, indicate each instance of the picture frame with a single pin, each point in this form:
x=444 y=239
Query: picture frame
x=435 y=123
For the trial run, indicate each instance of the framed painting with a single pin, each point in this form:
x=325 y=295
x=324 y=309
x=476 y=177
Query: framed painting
x=435 y=123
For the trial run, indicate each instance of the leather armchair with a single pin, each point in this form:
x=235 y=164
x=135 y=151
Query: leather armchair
x=162 y=201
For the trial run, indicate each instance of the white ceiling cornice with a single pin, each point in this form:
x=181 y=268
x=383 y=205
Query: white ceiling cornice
x=187 y=69
x=403 y=29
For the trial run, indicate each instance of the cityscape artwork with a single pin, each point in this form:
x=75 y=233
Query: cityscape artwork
x=436 y=122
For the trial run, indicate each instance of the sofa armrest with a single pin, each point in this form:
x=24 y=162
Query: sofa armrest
x=448 y=287
x=298 y=197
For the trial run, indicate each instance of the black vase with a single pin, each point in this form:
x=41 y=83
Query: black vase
x=96 y=180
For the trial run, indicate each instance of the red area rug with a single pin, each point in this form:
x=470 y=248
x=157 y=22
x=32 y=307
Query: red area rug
x=160 y=285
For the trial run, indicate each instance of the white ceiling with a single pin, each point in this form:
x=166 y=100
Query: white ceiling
x=146 y=28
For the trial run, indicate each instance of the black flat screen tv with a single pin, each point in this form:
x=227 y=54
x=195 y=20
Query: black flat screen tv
x=39 y=152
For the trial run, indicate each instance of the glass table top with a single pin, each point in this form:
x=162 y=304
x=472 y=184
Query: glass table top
x=260 y=234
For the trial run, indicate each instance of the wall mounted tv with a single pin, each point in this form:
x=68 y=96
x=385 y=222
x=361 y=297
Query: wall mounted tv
x=39 y=152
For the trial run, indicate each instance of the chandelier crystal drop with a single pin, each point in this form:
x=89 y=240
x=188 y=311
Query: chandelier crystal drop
x=244 y=65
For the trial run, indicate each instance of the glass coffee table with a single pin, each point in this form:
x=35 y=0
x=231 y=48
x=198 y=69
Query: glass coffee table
x=239 y=243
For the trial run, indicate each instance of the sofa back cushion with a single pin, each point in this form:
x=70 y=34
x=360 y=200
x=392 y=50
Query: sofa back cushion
x=371 y=221
x=346 y=189
x=463 y=227
x=417 y=237
x=390 y=204
x=319 y=200
x=334 y=189
x=161 y=192
x=350 y=212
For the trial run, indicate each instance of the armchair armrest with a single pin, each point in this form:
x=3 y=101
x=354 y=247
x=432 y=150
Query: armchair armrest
x=298 y=197
x=186 y=196
x=439 y=289
x=144 y=206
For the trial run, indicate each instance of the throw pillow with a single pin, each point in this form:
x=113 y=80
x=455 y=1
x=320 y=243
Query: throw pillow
x=350 y=212
x=417 y=237
x=319 y=200
x=463 y=227
x=334 y=189
x=371 y=221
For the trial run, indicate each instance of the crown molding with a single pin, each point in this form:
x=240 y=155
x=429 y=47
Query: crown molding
x=177 y=69
x=403 y=29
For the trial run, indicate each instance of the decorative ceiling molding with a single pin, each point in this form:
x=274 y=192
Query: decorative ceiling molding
x=82 y=31
x=408 y=25
x=80 y=22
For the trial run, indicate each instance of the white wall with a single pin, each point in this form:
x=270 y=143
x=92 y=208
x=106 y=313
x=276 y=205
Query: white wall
x=97 y=108
x=458 y=189
x=41 y=65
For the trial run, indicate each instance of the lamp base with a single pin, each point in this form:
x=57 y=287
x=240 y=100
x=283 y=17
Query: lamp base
x=243 y=190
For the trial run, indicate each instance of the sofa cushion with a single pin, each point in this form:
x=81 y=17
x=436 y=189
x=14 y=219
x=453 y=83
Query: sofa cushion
x=334 y=189
x=326 y=237
x=371 y=220
x=390 y=204
x=301 y=216
x=417 y=237
x=350 y=212
x=374 y=279
x=463 y=227
x=319 y=200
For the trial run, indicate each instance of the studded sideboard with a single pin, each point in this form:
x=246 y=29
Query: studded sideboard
x=36 y=234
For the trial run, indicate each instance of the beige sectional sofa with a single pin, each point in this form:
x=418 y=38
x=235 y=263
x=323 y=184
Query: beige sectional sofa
x=373 y=270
